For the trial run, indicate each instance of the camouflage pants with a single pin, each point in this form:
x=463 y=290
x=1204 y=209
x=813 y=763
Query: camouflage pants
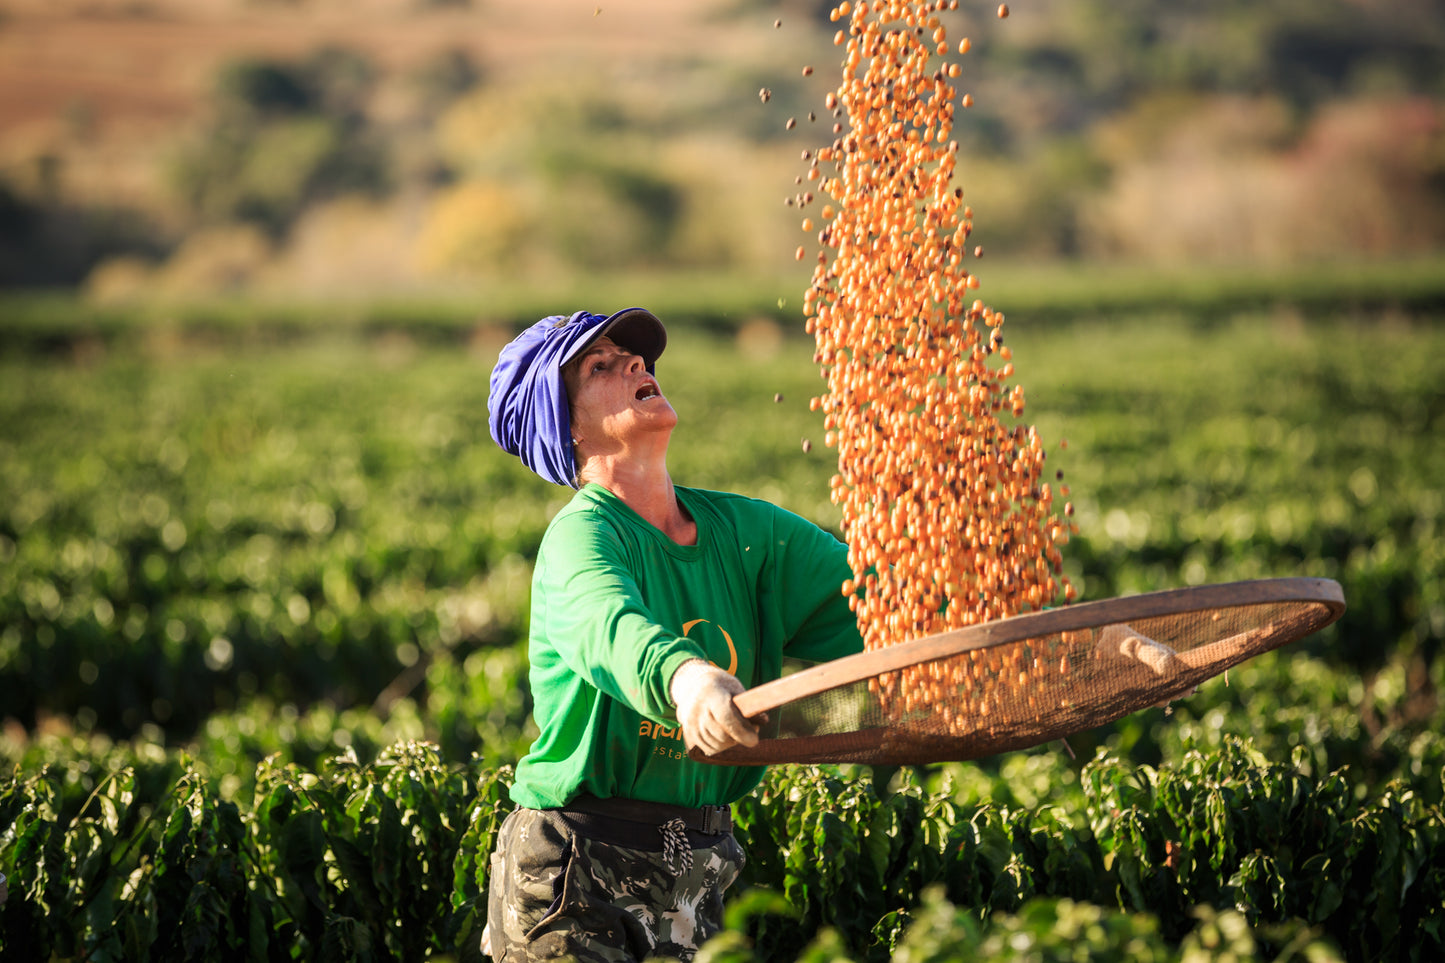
x=557 y=892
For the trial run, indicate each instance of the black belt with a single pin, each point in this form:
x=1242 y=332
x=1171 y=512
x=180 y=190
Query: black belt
x=638 y=825
x=708 y=820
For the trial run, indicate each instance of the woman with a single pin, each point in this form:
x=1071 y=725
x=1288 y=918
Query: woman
x=652 y=606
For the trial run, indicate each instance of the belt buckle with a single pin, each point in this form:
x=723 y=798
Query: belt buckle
x=712 y=820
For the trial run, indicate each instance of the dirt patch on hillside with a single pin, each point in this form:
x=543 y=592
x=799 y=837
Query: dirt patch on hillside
x=106 y=84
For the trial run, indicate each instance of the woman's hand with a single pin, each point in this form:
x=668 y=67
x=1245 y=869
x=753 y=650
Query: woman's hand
x=710 y=721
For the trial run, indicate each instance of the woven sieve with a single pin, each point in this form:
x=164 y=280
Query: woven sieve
x=1026 y=680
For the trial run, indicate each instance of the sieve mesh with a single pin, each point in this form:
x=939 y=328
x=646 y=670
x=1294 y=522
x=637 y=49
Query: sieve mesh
x=1024 y=681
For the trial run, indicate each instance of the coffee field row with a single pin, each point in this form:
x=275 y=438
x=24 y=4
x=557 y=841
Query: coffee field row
x=262 y=613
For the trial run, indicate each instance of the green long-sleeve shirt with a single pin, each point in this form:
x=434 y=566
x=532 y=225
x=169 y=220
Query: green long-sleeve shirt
x=617 y=606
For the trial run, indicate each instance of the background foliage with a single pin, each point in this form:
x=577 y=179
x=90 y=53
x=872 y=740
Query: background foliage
x=263 y=609
x=479 y=142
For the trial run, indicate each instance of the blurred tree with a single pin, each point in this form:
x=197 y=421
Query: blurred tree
x=428 y=90
x=1302 y=50
x=617 y=212
x=283 y=136
x=46 y=241
x=340 y=81
x=441 y=79
x=475 y=228
x=1210 y=179
x=261 y=87
x=610 y=200
x=18 y=221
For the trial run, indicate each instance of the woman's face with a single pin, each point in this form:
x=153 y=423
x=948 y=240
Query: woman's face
x=613 y=398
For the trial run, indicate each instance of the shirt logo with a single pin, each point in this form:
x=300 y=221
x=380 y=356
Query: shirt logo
x=732 y=649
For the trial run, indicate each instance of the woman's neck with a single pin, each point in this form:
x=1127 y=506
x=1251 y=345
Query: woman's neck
x=648 y=492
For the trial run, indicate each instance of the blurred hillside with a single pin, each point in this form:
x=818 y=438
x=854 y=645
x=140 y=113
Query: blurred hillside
x=196 y=147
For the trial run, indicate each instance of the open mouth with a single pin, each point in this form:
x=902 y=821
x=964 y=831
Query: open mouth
x=648 y=390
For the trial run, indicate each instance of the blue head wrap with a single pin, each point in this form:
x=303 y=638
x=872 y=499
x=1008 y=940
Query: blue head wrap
x=526 y=399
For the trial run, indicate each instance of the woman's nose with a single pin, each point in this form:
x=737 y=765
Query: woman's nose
x=634 y=362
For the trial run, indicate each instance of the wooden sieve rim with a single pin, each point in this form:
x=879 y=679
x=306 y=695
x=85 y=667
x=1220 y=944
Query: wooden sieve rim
x=1070 y=618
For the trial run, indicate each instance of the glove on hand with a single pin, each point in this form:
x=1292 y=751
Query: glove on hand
x=1124 y=641
x=703 y=694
